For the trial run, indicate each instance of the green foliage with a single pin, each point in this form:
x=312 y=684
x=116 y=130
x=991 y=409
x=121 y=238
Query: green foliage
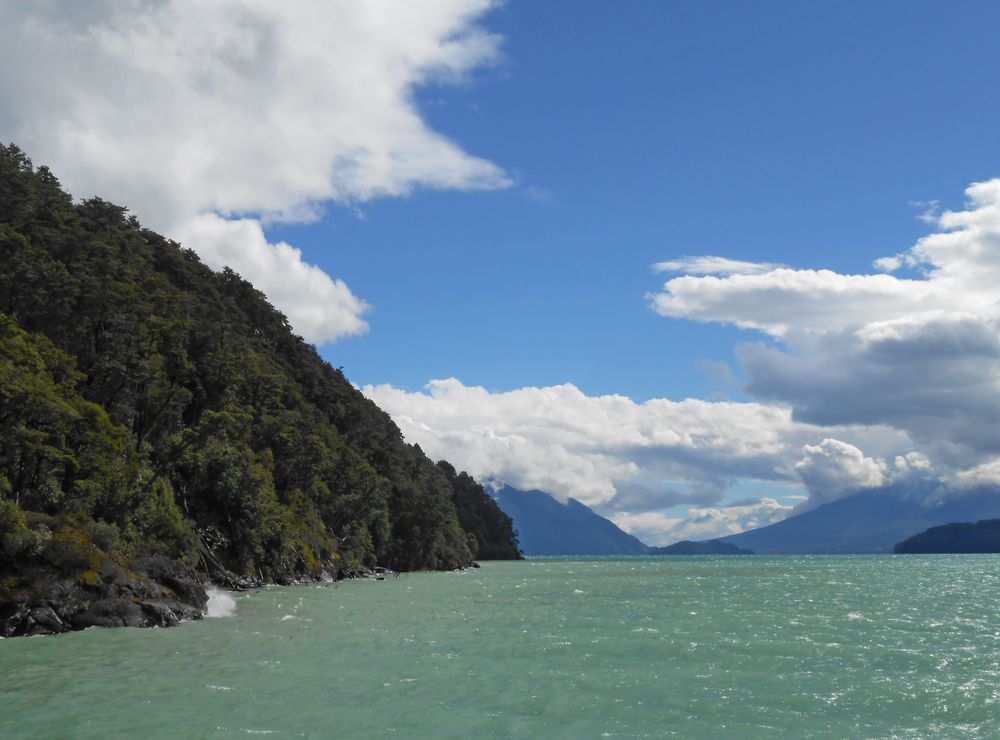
x=158 y=527
x=17 y=540
x=70 y=551
x=173 y=409
x=58 y=452
x=958 y=537
x=490 y=531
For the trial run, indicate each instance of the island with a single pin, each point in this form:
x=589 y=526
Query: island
x=708 y=547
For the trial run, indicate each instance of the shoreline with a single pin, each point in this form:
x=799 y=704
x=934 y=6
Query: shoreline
x=143 y=593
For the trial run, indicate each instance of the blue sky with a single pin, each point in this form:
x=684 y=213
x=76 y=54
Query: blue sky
x=461 y=203
x=784 y=132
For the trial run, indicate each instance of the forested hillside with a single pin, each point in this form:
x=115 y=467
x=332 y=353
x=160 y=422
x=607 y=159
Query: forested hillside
x=164 y=409
x=959 y=537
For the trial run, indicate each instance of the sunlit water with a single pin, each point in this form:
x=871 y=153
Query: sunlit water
x=692 y=647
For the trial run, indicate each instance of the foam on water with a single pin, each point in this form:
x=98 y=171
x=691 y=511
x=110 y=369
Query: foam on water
x=220 y=603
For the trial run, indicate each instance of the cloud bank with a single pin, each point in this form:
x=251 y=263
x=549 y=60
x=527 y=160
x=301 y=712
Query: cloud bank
x=611 y=452
x=207 y=118
x=655 y=528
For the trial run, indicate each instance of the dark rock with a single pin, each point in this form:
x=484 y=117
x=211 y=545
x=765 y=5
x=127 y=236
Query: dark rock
x=178 y=578
x=116 y=612
x=44 y=597
x=162 y=614
x=13 y=621
x=43 y=620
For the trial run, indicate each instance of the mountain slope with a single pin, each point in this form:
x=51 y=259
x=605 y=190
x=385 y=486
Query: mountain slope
x=961 y=537
x=872 y=521
x=171 y=409
x=547 y=527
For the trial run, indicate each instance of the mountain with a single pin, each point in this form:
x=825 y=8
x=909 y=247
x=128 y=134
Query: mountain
x=871 y=521
x=153 y=409
x=962 y=537
x=708 y=547
x=547 y=527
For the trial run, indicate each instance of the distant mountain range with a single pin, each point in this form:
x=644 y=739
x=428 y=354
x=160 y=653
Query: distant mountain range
x=546 y=526
x=871 y=521
x=867 y=522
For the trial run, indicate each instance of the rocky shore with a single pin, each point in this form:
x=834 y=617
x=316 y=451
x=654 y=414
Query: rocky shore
x=151 y=592
x=72 y=584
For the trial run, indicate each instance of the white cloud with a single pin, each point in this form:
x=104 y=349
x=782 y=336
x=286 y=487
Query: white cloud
x=324 y=309
x=983 y=474
x=888 y=264
x=703 y=523
x=929 y=210
x=708 y=265
x=833 y=468
x=609 y=449
x=652 y=527
x=920 y=355
x=784 y=301
x=255 y=109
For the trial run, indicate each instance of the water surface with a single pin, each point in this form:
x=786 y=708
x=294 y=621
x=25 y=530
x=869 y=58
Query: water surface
x=696 y=646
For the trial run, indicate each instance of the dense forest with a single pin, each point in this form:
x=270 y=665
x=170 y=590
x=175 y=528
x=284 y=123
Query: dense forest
x=960 y=537
x=156 y=407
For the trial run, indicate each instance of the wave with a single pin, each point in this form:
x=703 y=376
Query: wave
x=220 y=603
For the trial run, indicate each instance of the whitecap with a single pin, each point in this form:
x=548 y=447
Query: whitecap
x=218 y=688
x=220 y=603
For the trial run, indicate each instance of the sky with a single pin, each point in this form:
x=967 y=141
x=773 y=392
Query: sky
x=699 y=265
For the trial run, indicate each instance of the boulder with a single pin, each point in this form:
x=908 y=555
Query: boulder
x=115 y=612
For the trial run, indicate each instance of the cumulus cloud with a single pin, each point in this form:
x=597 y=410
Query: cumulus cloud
x=631 y=457
x=784 y=301
x=569 y=444
x=185 y=110
x=323 y=309
x=833 y=468
x=703 y=523
x=920 y=355
x=983 y=474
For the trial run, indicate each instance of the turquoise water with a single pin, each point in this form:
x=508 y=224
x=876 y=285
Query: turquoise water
x=690 y=647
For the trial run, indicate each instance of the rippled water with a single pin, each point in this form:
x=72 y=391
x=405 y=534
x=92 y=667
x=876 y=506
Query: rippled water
x=702 y=647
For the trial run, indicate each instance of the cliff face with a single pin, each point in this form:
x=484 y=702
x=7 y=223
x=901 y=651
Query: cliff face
x=172 y=410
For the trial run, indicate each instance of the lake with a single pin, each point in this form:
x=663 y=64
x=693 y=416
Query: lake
x=819 y=646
